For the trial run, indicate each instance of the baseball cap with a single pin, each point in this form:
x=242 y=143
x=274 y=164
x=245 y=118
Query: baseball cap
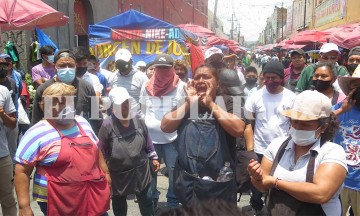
x=274 y=67
x=3 y=59
x=309 y=105
x=230 y=80
x=328 y=47
x=354 y=51
x=123 y=54
x=213 y=51
x=298 y=51
x=5 y=56
x=140 y=64
x=118 y=95
x=164 y=60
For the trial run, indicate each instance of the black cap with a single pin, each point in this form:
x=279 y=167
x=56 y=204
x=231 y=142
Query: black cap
x=354 y=51
x=298 y=51
x=149 y=64
x=274 y=67
x=164 y=60
x=230 y=80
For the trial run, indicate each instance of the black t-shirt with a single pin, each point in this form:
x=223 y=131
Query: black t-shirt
x=10 y=84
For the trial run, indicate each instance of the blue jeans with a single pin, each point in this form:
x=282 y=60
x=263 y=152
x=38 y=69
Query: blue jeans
x=43 y=208
x=169 y=153
x=255 y=201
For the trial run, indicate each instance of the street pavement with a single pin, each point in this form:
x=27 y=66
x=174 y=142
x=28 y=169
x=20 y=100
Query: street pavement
x=133 y=208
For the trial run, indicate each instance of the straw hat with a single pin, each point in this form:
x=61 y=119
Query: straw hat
x=345 y=81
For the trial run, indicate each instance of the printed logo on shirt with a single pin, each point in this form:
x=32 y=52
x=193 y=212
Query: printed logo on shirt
x=351 y=143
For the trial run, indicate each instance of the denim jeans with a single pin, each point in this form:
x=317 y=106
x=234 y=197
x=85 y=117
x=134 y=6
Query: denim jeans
x=255 y=201
x=43 y=208
x=144 y=198
x=169 y=153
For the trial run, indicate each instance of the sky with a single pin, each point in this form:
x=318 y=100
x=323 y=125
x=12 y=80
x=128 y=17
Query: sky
x=250 y=14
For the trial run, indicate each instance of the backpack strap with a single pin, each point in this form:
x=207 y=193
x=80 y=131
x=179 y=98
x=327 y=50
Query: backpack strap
x=311 y=166
x=279 y=155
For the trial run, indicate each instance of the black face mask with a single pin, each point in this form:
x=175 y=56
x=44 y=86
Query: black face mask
x=356 y=96
x=351 y=68
x=80 y=71
x=3 y=73
x=251 y=81
x=320 y=85
x=123 y=66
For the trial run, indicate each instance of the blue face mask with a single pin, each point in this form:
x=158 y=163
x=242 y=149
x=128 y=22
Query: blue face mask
x=66 y=75
x=50 y=59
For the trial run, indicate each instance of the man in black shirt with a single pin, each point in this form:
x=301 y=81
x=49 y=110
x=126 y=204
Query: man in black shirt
x=85 y=98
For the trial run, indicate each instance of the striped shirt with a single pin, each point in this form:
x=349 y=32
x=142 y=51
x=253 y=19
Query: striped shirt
x=41 y=146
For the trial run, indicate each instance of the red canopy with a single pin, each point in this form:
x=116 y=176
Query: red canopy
x=199 y=30
x=347 y=36
x=310 y=36
x=28 y=14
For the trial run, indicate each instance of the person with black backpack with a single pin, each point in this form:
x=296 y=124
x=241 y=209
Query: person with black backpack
x=129 y=153
x=303 y=173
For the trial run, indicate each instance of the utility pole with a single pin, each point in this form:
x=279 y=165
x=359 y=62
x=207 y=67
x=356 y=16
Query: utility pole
x=214 y=21
x=304 y=15
x=232 y=26
x=282 y=21
x=239 y=26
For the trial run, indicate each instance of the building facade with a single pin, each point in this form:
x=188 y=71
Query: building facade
x=273 y=31
x=171 y=11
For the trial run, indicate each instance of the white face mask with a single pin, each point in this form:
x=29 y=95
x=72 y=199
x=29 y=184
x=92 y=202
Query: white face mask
x=303 y=137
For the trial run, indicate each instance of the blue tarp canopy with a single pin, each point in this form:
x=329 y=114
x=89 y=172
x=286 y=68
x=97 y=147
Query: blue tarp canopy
x=131 y=19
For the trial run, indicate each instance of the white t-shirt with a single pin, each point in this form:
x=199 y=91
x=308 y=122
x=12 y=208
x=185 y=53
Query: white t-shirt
x=269 y=122
x=94 y=81
x=8 y=106
x=132 y=82
x=156 y=108
x=328 y=153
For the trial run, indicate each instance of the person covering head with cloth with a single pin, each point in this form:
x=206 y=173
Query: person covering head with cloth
x=128 y=148
x=206 y=141
x=303 y=173
x=158 y=96
x=64 y=150
x=348 y=112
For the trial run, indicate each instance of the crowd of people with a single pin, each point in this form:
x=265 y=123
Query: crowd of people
x=287 y=133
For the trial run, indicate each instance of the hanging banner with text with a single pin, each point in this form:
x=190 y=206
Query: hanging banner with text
x=146 y=34
x=330 y=11
x=141 y=50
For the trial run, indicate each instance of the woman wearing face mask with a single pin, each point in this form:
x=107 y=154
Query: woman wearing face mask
x=128 y=149
x=206 y=140
x=303 y=173
x=64 y=150
x=323 y=78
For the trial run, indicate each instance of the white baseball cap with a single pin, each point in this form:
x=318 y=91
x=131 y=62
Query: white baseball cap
x=118 y=95
x=328 y=47
x=309 y=105
x=140 y=64
x=123 y=54
x=212 y=51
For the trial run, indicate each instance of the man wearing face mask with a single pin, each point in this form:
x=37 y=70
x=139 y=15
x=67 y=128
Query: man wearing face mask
x=263 y=109
x=329 y=52
x=251 y=77
x=10 y=84
x=292 y=73
x=353 y=60
x=94 y=68
x=348 y=137
x=81 y=54
x=44 y=71
x=85 y=104
x=127 y=77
